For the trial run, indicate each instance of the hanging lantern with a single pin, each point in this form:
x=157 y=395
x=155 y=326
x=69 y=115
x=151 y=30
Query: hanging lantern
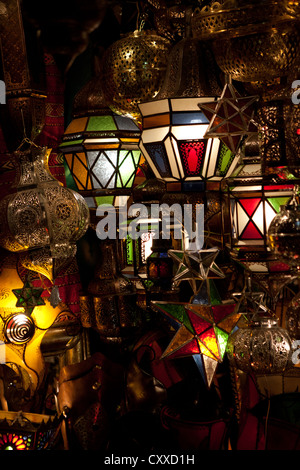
x=251 y=41
x=174 y=127
x=283 y=234
x=292 y=318
x=28 y=431
x=100 y=148
x=262 y=348
x=42 y=214
x=133 y=70
x=252 y=210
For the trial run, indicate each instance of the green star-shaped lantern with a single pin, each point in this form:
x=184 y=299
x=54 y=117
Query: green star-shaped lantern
x=29 y=297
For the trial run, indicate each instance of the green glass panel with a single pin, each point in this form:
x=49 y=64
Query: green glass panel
x=70 y=183
x=276 y=202
x=101 y=123
x=71 y=143
x=129 y=251
x=222 y=339
x=127 y=166
x=104 y=200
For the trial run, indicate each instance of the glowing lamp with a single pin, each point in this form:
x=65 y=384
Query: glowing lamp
x=101 y=152
x=174 y=146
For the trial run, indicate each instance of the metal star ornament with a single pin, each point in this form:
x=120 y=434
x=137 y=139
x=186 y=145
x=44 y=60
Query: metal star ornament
x=195 y=266
x=231 y=118
x=28 y=297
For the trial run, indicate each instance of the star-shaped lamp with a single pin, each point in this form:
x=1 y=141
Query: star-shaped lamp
x=195 y=267
x=28 y=297
x=231 y=118
x=202 y=332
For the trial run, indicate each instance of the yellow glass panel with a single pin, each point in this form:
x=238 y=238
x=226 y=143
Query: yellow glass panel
x=77 y=125
x=156 y=121
x=79 y=170
x=101 y=146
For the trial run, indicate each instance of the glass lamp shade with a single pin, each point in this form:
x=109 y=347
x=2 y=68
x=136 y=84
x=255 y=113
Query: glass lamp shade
x=261 y=348
x=252 y=209
x=101 y=153
x=42 y=213
x=174 y=146
x=27 y=431
x=292 y=318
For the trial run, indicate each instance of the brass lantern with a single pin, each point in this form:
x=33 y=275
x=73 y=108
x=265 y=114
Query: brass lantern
x=42 y=216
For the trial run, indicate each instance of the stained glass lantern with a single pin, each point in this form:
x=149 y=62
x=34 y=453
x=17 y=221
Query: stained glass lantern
x=263 y=347
x=253 y=206
x=101 y=152
x=173 y=143
x=133 y=70
x=28 y=431
x=173 y=126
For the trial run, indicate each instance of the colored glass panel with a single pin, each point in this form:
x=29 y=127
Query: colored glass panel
x=250 y=205
x=276 y=202
x=225 y=159
x=179 y=119
x=156 y=121
x=183 y=344
x=76 y=125
x=229 y=323
x=199 y=324
x=126 y=167
x=222 y=340
x=156 y=151
x=204 y=311
x=101 y=123
x=192 y=154
x=125 y=124
x=104 y=200
x=208 y=338
x=251 y=232
x=221 y=311
x=175 y=311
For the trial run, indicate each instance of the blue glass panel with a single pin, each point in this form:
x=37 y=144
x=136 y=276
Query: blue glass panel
x=179 y=119
x=159 y=157
x=126 y=124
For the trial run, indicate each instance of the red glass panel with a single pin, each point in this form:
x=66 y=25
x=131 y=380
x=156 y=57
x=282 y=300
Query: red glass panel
x=198 y=323
x=251 y=232
x=250 y=205
x=188 y=349
x=222 y=311
x=192 y=154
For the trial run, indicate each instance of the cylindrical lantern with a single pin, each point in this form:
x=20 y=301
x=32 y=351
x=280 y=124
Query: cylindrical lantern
x=133 y=70
x=262 y=348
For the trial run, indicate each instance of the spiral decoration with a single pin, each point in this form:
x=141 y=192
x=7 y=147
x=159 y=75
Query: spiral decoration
x=19 y=328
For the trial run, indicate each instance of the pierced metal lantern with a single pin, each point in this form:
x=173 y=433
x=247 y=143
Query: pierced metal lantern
x=284 y=234
x=133 y=70
x=251 y=41
x=292 y=318
x=262 y=348
x=42 y=214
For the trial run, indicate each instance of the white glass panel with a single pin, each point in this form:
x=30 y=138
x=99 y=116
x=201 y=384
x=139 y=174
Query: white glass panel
x=154 y=135
x=154 y=107
x=170 y=146
x=189 y=104
x=193 y=132
x=243 y=218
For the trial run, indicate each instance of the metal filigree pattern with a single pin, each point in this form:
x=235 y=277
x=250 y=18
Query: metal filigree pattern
x=133 y=71
x=48 y=215
x=262 y=348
